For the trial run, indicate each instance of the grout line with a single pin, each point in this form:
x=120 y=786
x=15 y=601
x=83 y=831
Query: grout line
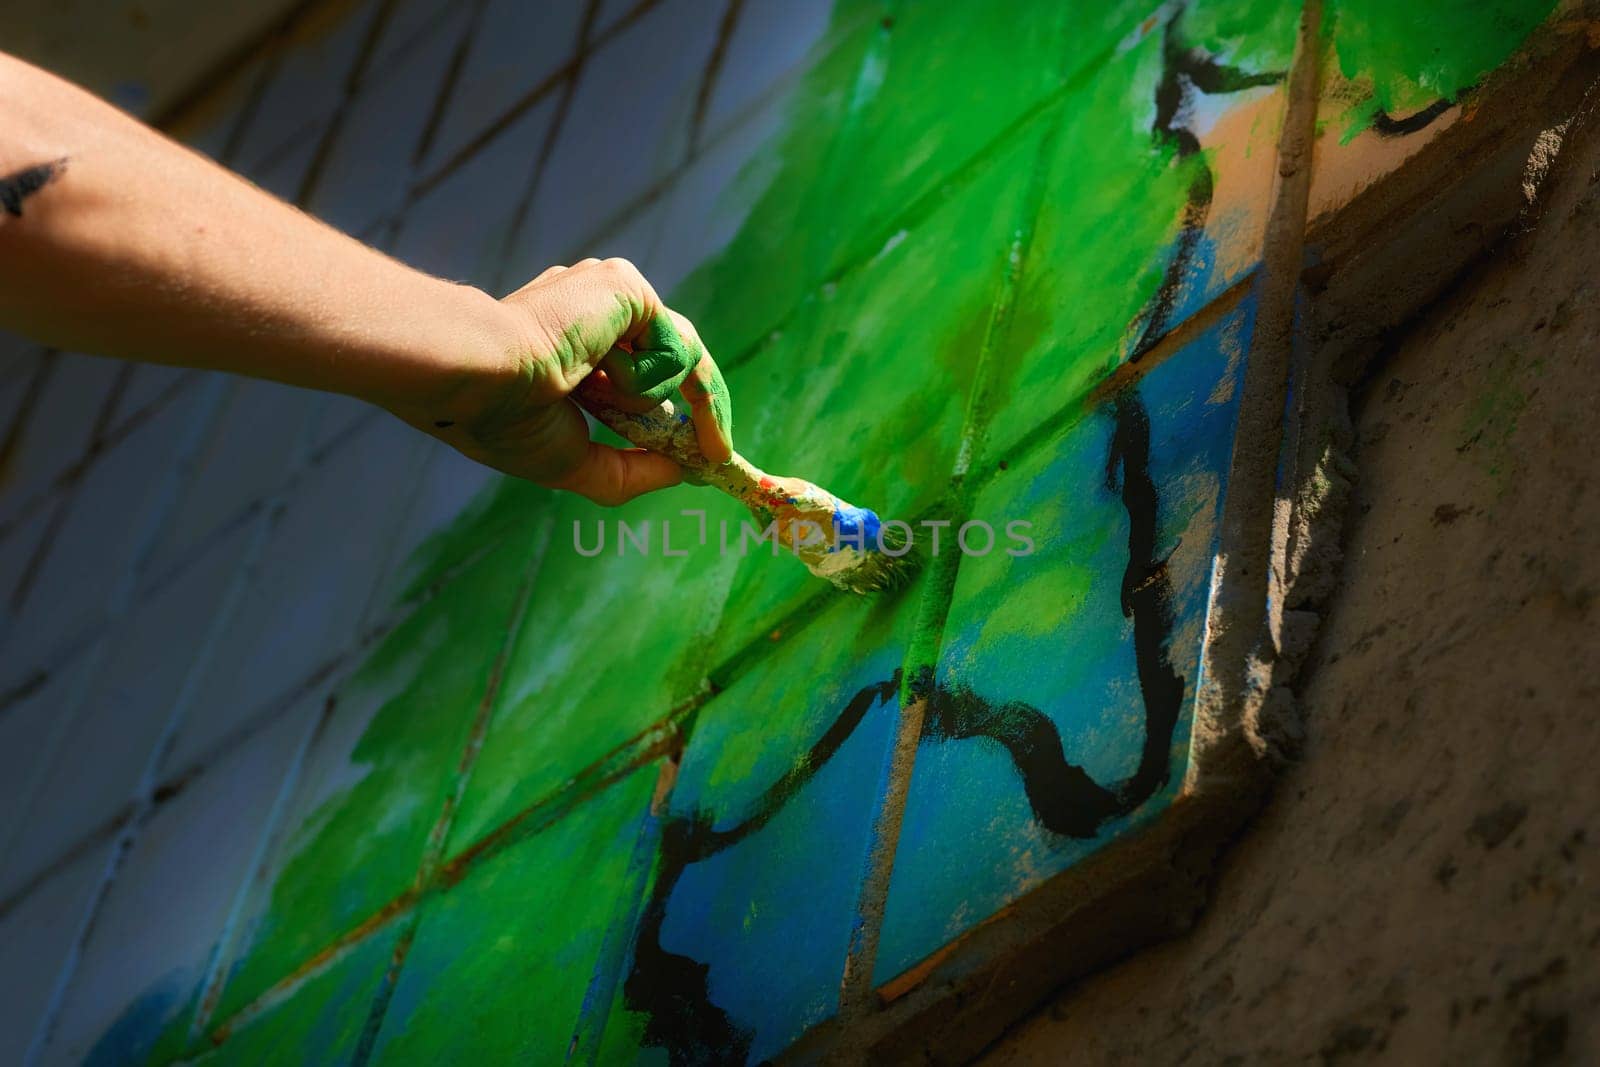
x=713 y=72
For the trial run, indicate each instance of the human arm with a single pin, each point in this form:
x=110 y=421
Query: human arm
x=116 y=240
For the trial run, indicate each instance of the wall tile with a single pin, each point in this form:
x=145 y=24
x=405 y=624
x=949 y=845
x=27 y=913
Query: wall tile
x=610 y=14
x=248 y=451
x=321 y=1022
x=17 y=355
x=308 y=84
x=610 y=645
x=906 y=132
x=1065 y=683
x=766 y=198
x=591 y=179
x=459 y=229
x=502 y=961
x=1088 y=289
x=113 y=731
x=803 y=412
x=146 y=959
x=209 y=125
x=708 y=206
x=368 y=169
x=19 y=547
x=111 y=518
x=376 y=778
x=283 y=172
x=148 y=385
x=1391 y=77
x=310 y=589
x=449 y=486
x=30 y=731
x=56 y=432
x=744 y=934
x=517 y=47
x=409 y=25
x=770 y=40
x=38 y=933
x=337 y=418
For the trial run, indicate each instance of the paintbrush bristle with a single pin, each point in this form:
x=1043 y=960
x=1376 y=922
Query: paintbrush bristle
x=873 y=572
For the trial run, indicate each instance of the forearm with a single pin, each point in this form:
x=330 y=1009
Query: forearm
x=137 y=247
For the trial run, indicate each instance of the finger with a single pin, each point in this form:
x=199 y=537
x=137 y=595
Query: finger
x=611 y=476
x=707 y=396
x=598 y=386
x=655 y=363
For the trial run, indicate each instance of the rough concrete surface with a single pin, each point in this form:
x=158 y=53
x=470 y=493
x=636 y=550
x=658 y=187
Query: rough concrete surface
x=1424 y=886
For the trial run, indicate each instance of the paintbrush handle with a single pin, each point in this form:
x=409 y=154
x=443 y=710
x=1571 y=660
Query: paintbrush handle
x=665 y=430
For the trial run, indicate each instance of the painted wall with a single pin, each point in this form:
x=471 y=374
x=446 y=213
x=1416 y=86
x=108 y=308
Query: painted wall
x=336 y=748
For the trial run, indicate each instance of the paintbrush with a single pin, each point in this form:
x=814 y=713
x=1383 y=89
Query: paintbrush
x=847 y=545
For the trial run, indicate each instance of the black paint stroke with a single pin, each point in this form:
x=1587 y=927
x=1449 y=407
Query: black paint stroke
x=1063 y=796
x=1388 y=126
x=673 y=990
x=1183 y=67
x=17 y=187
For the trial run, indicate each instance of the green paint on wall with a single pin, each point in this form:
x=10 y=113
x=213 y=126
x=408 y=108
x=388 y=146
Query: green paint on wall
x=320 y=1023
x=1413 y=52
x=849 y=310
x=501 y=962
x=376 y=781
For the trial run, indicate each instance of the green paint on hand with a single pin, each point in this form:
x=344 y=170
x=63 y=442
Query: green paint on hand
x=657 y=366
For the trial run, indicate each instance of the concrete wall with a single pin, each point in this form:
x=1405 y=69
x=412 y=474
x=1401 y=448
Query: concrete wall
x=326 y=745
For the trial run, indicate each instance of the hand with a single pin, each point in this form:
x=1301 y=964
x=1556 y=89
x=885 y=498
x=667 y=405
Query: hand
x=600 y=318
